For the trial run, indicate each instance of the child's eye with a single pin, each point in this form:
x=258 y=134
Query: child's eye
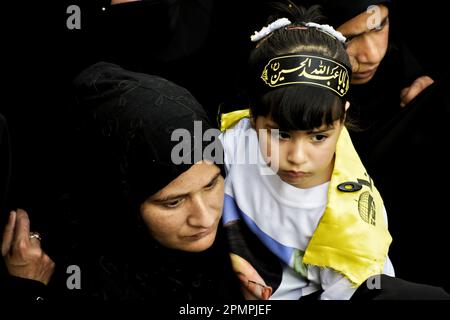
x=173 y=204
x=284 y=135
x=280 y=135
x=319 y=137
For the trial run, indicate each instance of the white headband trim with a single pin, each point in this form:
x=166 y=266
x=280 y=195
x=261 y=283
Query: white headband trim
x=282 y=22
x=327 y=29
x=265 y=31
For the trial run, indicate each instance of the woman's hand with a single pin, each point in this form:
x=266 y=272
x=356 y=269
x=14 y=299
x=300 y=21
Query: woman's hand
x=22 y=253
x=409 y=93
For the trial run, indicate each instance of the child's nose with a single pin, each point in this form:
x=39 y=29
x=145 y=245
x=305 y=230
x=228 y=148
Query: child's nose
x=296 y=153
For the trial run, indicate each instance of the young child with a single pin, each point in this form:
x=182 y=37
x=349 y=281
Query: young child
x=316 y=224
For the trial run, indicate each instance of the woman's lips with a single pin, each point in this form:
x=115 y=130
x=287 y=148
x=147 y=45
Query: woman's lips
x=365 y=74
x=200 y=235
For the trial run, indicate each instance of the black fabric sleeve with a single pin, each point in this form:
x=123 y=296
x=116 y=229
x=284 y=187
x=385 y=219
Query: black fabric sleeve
x=390 y=288
x=5 y=168
x=15 y=289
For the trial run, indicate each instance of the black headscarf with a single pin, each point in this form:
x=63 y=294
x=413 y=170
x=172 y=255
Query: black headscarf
x=340 y=11
x=134 y=115
x=130 y=120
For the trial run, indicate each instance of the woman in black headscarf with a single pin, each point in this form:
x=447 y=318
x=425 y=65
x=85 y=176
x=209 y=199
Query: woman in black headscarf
x=150 y=203
x=385 y=74
x=152 y=213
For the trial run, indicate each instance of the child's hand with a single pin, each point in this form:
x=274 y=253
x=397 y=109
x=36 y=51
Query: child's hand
x=252 y=285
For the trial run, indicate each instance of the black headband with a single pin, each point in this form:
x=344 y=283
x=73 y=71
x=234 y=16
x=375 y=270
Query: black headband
x=309 y=70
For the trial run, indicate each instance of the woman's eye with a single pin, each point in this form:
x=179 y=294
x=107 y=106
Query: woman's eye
x=212 y=184
x=173 y=204
x=319 y=137
x=349 y=39
x=382 y=25
x=379 y=28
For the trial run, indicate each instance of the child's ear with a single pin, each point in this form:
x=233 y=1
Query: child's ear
x=347 y=105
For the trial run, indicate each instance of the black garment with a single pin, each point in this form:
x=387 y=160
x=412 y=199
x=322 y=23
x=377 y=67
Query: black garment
x=131 y=118
x=375 y=103
x=389 y=288
x=12 y=288
x=128 y=119
x=399 y=147
x=5 y=168
x=15 y=289
x=202 y=45
x=155 y=273
x=409 y=166
x=127 y=146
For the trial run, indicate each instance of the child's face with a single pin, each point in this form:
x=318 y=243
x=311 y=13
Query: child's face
x=304 y=159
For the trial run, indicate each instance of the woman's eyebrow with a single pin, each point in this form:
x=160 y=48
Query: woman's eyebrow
x=181 y=195
x=169 y=198
x=382 y=23
x=212 y=180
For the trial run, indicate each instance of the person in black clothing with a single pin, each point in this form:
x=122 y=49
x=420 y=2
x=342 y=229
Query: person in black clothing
x=149 y=228
x=401 y=114
x=386 y=76
x=22 y=255
x=153 y=219
x=27 y=269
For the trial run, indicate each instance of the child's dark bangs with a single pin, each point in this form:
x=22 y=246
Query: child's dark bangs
x=303 y=107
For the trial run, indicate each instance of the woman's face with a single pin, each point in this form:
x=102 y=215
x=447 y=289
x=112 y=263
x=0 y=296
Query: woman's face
x=367 y=35
x=185 y=214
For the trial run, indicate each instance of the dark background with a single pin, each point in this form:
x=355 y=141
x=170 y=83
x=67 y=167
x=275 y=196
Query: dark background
x=41 y=57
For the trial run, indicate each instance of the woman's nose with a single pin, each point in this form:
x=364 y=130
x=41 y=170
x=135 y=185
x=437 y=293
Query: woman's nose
x=201 y=216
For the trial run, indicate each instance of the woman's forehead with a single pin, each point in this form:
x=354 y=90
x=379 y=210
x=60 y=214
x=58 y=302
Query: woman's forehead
x=364 y=22
x=195 y=178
